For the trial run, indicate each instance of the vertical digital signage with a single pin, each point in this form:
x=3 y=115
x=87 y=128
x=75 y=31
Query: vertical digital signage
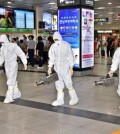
x=87 y=56
x=69 y=28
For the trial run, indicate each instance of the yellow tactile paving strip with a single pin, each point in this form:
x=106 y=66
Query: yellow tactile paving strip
x=116 y=132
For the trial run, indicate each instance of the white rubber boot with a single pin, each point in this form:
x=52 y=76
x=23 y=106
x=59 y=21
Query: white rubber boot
x=9 y=95
x=73 y=96
x=118 y=92
x=60 y=98
x=16 y=93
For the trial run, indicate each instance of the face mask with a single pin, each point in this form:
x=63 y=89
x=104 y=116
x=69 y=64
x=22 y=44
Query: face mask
x=56 y=41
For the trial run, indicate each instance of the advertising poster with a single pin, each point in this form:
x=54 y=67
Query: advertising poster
x=69 y=28
x=87 y=38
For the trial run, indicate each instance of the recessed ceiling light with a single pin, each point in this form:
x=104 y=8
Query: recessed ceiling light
x=109 y=3
x=9 y=6
x=9 y=2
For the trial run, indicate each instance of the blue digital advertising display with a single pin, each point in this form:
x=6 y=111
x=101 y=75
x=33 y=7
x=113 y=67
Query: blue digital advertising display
x=69 y=28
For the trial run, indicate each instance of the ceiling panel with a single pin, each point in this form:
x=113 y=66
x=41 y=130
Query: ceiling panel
x=102 y=8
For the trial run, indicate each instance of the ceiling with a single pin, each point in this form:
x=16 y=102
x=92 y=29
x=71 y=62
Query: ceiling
x=103 y=8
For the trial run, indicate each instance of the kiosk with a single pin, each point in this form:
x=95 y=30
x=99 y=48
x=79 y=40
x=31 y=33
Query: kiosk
x=76 y=25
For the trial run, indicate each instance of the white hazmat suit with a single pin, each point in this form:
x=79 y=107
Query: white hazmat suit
x=115 y=65
x=61 y=57
x=8 y=56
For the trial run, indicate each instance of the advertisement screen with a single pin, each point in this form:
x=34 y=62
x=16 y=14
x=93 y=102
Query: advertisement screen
x=69 y=28
x=7 y=18
x=54 y=22
x=87 y=38
x=68 y=2
x=47 y=18
x=16 y=18
x=88 y=2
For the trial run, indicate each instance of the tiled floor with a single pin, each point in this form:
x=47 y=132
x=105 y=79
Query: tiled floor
x=96 y=113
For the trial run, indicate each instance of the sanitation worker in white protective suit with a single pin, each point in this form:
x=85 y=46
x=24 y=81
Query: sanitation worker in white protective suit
x=61 y=57
x=8 y=56
x=115 y=65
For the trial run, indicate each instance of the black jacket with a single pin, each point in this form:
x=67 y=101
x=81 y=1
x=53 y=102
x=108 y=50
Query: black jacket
x=40 y=48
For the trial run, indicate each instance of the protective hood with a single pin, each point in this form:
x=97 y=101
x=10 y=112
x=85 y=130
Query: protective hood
x=4 y=39
x=57 y=35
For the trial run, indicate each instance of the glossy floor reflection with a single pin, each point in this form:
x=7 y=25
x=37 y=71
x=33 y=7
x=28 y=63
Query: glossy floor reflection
x=96 y=113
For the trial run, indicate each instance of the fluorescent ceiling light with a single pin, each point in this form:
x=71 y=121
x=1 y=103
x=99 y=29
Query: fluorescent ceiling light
x=52 y=3
x=111 y=13
x=117 y=7
x=101 y=8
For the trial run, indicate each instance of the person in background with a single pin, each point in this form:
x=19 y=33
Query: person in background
x=14 y=40
x=17 y=41
x=6 y=21
x=61 y=57
x=51 y=41
x=95 y=45
x=9 y=53
x=25 y=40
x=110 y=48
x=23 y=46
x=115 y=44
x=99 y=47
x=40 y=51
x=31 y=50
